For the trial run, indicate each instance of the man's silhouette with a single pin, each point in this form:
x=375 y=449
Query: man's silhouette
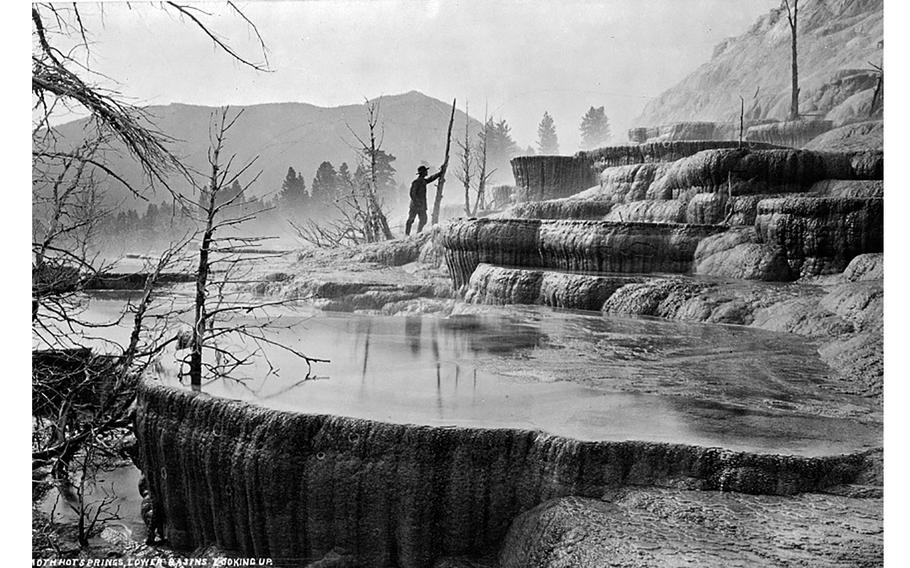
x=418 y=206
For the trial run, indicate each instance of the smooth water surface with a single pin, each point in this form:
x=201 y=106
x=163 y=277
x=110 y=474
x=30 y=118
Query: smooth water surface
x=574 y=374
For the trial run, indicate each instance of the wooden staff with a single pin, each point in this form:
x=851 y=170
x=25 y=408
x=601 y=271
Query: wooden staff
x=445 y=164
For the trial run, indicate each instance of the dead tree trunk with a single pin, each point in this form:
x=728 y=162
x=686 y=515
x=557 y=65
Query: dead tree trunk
x=483 y=175
x=445 y=164
x=202 y=273
x=794 y=94
x=376 y=218
x=467 y=163
x=742 y=112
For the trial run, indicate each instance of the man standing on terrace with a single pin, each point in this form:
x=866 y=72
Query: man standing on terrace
x=418 y=206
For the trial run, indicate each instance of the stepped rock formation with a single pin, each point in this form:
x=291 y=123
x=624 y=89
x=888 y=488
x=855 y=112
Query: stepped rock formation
x=837 y=40
x=792 y=133
x=267 y=483
x=550 y=177
x=585 y=246
x=821 y=235
x=565 y=208
x=716 y=187
x=499 y=285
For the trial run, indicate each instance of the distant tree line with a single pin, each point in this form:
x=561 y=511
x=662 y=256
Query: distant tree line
x=298 y=199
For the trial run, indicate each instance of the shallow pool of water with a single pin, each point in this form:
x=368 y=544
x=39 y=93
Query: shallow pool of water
x=574 y=374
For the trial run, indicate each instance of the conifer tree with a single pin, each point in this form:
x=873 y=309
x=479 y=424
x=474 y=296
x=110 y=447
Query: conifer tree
x=324 y=188
x=293 y=196
x=595 y=128
x=547 y=142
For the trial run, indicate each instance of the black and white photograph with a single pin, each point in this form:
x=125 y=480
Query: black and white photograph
x=457 y=284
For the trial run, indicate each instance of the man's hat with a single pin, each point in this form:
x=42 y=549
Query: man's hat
x=422 y=169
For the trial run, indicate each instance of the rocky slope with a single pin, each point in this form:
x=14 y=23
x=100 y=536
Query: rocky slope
x=837 y=40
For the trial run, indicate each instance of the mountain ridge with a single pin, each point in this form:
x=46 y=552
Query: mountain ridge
x=294 y=134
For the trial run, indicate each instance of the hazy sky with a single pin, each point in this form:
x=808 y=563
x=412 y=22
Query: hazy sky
x=520 y=58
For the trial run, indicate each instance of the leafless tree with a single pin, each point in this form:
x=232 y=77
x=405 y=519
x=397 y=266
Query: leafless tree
x=465 y=174
x=359 y=211
x=792 y=13
x=349 y=227
x=82 y=400
x=221 y=266
x=483 y=176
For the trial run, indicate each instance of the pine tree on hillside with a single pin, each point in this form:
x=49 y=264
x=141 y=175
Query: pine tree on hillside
x=547 y=142
x=293 y=195
x=324 y=188
x=595 y=128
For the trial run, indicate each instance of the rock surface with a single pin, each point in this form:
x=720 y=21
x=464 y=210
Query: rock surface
x=499 y=285
x=589 y=246
x=821 y=235
x=858 y=137
x=547 y=177
x=846 y=317
x=647 y=527
x=540 y=178
x=848 y=188
x=738 y=254
x=295 y=486
x=792 y=133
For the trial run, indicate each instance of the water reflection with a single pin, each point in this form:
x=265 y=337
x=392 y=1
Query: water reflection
x=566 y=373
x=412 y=327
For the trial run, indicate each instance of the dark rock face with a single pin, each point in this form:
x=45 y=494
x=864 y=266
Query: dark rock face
x=585 y=246
x=633 y=528
x=548 y=177
x=821 y=235
x=602 y=247
x=267 y=483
